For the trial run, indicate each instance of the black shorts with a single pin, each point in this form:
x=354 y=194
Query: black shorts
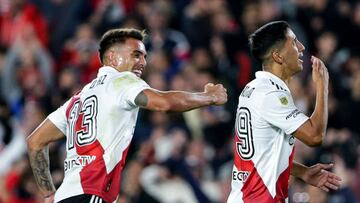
x=84 y=198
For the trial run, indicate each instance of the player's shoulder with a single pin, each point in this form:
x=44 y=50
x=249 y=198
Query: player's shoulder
x=262 y=89
x=266 y=82
x=127 y=76
x=277 y=87
x=126 y=79
x=264 y=86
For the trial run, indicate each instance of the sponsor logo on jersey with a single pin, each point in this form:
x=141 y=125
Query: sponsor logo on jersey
x=79 y=161
x=293 y=114
x=240 y=175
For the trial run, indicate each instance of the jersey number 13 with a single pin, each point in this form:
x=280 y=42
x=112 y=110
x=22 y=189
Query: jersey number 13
x=82 y=122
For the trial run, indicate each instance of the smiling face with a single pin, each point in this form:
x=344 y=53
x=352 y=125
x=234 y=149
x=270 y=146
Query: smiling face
x=292 y=52
x=128 y=56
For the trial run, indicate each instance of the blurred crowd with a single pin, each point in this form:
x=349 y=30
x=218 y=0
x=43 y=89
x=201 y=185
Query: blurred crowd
x=48 y=51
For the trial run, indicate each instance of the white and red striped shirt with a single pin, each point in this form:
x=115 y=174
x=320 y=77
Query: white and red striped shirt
x=263 y=145
x=99 y=123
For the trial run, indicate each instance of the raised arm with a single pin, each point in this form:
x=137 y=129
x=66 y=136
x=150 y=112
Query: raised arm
x=312 y=131
x=179 y=101
x=37 y=144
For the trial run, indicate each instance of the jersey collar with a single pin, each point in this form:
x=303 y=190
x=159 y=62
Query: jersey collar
x=107 y=69
x=274 y=78
x=111 y=70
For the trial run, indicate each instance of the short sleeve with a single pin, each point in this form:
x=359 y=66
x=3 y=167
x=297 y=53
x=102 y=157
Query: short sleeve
x=278 y=108
x=58 y=117
x=131 y=86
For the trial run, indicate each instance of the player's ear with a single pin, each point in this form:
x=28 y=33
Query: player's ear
x=110 y=55
x=277 y=57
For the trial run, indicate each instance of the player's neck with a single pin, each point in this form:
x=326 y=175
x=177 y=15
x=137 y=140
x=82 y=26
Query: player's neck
x=279 y=72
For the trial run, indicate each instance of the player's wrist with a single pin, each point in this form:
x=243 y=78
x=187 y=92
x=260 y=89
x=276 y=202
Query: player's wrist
x=213 y=99
x=210 y=98
x=322 y=88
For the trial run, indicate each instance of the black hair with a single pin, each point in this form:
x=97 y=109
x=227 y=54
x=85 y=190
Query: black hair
x=266 y=37
x=119 y=35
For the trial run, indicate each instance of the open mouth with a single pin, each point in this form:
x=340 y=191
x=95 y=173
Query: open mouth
x=300 y=56
x=137 y=72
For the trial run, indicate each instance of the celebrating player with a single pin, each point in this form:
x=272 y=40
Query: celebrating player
x=99 y=122
x=267 y=122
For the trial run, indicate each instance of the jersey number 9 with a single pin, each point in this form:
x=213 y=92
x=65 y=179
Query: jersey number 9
x=243 y=130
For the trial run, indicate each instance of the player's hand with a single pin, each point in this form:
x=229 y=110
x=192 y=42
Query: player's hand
x=218 y=92
x=320 y=73
x=318 y=176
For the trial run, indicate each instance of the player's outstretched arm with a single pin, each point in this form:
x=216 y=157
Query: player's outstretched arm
x=317 y=175
x=179 y=101
x=312 y=131
x=37 y=144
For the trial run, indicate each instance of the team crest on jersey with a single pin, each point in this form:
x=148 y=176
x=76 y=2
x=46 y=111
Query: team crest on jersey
x=284 y=100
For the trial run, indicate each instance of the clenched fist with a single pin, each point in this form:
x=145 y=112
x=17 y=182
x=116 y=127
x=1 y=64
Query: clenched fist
x=217 y=92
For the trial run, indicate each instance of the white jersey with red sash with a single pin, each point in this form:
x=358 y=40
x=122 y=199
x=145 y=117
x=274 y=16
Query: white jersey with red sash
x=99 y=123
x=263 y=142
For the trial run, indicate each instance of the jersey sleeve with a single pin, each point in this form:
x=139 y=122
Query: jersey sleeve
x=131 y=87
x=278 y=108
x=58 y=117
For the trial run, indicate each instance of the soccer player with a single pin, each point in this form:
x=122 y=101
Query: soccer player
x=268 y=122
x=99 y=122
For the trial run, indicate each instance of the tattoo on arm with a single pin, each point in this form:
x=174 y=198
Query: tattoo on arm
x=141 y=99
x=39 y=161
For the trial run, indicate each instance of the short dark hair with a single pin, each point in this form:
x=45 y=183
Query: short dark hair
x=266 y=37
x=119 y=35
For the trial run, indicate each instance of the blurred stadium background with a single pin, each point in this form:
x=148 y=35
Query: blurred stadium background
x=48 y=51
